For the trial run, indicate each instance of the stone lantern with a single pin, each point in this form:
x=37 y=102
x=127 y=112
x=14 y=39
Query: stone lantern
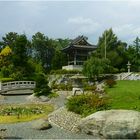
x=128 y=66
x=77 y=83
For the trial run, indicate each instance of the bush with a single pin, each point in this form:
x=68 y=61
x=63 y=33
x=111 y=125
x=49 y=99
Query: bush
x=17 y=76
x=42 y=87
x=122 y=70
x=115 y=70
x=110 y=83
x=90 y=88
x=7 y=70
x=6 y=80
x=62 y=86
x=87 y=104
x=53 y=95
x=62 y=71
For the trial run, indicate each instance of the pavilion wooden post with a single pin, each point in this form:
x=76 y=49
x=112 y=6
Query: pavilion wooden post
x=75 y=53
x=68 y=58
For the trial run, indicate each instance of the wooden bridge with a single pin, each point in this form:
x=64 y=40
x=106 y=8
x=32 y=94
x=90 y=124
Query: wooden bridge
x=17 y=87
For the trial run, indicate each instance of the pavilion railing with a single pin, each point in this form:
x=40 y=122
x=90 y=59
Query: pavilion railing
x=76 y=63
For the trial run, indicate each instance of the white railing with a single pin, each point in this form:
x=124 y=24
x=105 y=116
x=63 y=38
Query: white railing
x=17 y=85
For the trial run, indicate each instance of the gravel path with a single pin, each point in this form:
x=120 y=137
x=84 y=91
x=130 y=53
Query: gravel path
x=25 y=130
x=14 y=99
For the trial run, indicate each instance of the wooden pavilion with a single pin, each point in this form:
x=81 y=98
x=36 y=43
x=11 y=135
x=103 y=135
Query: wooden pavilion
x=77 y=52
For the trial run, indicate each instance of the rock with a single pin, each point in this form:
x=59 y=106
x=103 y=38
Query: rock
x=34 y=98
x=44 y=98
x=112 y=124
x=41 y=124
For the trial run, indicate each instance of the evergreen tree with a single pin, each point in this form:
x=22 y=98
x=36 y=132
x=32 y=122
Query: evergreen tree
x=111 y=48
x=133 y=55
x=43 y=50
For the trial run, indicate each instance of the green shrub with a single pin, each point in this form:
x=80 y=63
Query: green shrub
x=90 y=88
x=53 y=95
x=62 y=71
x=110 y=83
x=7 y=70
x=42 y=87
x=62 y=86
x=6 y=79
x=122 y=70
x=17 y=76
x=115 y=70
x=87 y=104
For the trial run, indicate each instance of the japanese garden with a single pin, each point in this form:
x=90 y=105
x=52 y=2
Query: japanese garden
x=69 y=88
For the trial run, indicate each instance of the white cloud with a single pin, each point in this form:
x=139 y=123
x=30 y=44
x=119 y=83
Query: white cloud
x=84 y=25
x=134 y=3
x=127 y=31
x=80 y=20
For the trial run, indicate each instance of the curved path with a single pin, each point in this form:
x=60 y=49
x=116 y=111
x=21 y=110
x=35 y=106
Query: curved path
x=25 y=131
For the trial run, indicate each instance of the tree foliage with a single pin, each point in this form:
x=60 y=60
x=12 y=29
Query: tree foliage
x=43 y=49
x=42 y=87
x=5 y=56
x=133 y=54
x=9 y=39
x=115 y=49
x=93 y=67
x=21 y=57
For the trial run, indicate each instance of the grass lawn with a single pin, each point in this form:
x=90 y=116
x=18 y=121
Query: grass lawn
x=125 y=95
x=8 y=113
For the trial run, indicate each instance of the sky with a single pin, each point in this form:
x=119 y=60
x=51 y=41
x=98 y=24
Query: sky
x=69 y=19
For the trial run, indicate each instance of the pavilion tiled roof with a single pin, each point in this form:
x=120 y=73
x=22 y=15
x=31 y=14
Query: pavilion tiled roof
x=76 y=44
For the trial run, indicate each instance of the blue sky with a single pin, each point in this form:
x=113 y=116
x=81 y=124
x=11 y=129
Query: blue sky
x=68 y=19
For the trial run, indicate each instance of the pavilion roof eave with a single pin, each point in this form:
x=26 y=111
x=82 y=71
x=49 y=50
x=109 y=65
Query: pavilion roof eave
x=84 y=47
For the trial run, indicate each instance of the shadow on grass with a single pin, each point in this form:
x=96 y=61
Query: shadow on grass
x=12 y=137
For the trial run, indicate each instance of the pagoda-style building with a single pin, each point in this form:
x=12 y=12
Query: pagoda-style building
x=77 y=52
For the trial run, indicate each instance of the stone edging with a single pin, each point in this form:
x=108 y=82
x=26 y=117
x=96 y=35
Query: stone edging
x=68 y=123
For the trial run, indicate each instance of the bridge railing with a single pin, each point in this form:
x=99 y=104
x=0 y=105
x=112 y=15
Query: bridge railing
x=17 y=85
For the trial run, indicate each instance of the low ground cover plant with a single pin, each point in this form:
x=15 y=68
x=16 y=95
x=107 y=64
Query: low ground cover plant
x=19 y=113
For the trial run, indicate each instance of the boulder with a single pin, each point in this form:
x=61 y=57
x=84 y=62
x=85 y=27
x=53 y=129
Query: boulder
x=41 y=124
x=33 y=98
x=112 y=124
